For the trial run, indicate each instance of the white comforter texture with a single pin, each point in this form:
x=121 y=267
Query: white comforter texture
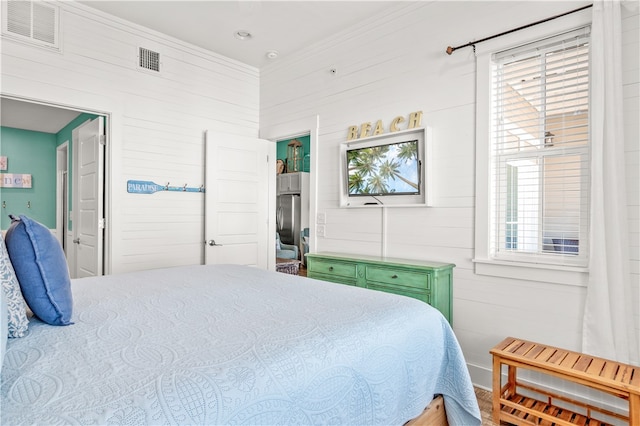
x=229 y=345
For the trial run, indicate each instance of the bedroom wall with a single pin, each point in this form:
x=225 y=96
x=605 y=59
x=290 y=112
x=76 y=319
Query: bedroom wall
x=396 y=64
x=32 y=153
x=156 y=122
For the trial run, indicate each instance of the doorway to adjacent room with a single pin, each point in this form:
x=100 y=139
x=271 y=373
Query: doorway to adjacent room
x=293 y=198
x=46 y=141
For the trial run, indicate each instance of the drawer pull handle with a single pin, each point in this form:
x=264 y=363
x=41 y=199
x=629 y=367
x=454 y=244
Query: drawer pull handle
x=394 y=276
x=331 y=268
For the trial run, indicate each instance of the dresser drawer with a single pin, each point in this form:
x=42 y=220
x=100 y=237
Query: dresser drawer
x=424 y=296
x=398 y=277
x=333 y=268
x=332 y=278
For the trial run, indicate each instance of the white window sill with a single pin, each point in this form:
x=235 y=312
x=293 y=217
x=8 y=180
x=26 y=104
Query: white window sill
x=557 y=274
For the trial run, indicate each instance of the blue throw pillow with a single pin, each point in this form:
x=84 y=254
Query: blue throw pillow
x=42 y=270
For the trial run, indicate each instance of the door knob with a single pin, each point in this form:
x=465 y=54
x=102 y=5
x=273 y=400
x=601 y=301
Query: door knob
x=213 y=243
x=76 y=240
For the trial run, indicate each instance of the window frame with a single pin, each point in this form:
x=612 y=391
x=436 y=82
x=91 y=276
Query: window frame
x=485 y=263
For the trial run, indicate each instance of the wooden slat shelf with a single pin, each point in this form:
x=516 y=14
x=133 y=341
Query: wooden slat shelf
x=510 y=404
x=519 y=417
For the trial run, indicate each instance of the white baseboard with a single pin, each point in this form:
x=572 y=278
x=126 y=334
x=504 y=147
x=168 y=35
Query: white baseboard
x=480 y=376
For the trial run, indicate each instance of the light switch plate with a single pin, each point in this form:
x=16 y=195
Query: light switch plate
x=322 y=218
x=320 y=231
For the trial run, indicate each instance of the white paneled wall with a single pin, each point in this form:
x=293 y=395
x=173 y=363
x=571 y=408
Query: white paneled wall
x=396 y=64
x=156 y=122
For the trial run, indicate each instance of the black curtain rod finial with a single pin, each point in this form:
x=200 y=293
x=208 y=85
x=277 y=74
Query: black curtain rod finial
x=450 y=49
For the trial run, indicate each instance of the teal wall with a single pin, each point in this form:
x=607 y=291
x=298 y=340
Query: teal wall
x=33 y=153
x=281 y=151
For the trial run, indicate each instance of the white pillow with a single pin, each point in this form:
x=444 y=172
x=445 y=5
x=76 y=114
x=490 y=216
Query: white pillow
x=18 y=322
x=3 y=326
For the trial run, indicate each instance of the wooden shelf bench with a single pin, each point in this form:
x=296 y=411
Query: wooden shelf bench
x=512 y=405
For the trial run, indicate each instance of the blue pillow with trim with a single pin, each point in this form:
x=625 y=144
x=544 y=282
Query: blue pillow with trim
x=42 y=271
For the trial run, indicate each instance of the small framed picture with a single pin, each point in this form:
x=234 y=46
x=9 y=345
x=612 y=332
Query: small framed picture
x=4 y=163
x=13 y=180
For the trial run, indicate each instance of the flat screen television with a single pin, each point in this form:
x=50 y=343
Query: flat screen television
x=387 y=169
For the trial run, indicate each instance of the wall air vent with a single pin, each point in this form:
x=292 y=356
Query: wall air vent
x=149 y=60
x=34 y=22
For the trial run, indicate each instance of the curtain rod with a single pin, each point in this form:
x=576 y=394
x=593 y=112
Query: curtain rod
x=450 y=49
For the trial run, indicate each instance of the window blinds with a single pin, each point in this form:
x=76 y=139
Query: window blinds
x=540 y=150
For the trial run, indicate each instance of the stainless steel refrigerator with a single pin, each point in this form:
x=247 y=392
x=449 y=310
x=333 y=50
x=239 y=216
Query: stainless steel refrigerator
x=288 y=218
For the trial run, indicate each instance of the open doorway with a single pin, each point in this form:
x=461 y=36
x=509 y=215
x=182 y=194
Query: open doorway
x=293 y=197
x=38 y=139
x=284 y=134
x=62 y=195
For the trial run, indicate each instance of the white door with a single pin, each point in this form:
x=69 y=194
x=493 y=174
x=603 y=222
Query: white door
x=237 y=199
x=88 y=198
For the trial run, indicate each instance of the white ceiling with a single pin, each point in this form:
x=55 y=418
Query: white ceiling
x=283 y=26
x=35 y=117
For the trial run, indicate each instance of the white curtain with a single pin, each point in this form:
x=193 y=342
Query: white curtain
x=608 y=328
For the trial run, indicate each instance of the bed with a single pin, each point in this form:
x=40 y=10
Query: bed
x=230 y=344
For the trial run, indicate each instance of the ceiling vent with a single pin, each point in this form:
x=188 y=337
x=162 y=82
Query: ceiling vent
x=35 y=22
x=148 y=60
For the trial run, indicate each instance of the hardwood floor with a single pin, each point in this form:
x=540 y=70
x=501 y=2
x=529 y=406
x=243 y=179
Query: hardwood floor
x=484 y=401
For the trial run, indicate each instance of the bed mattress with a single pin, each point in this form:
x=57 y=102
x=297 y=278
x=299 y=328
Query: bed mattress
x=230 y=344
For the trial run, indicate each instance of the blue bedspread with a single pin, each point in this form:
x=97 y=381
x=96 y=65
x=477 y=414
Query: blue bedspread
x=234 y=345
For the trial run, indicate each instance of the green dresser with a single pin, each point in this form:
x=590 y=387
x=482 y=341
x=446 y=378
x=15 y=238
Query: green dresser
x=430 y=282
